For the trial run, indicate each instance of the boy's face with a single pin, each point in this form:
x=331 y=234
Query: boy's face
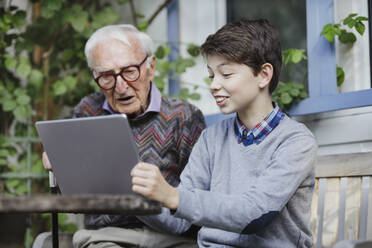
x=234 y=86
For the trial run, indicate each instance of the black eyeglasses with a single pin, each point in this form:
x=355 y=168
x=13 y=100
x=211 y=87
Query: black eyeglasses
x=107 y=80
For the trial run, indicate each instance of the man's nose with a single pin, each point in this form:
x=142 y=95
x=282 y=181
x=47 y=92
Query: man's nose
x=121 y=85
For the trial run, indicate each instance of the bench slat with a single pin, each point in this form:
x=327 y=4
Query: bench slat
x=340 y=165
x=353 y=197
x=364 y=209
x=369 y=222
x=341 y=212
x=320 y=212
x=331 y=210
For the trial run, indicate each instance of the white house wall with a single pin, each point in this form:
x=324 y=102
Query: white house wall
x=198 y=19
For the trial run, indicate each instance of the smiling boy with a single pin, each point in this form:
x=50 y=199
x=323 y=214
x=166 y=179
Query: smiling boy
x=249 y=179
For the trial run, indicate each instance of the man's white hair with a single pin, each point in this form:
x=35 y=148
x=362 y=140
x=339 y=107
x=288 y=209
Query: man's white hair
x=118 y=32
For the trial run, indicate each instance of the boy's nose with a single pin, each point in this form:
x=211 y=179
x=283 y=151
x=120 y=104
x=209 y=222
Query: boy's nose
x=215 y=84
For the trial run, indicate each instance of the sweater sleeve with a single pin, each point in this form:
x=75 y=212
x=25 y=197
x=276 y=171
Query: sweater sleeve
x=290 y=165
x=191 y=129
x=200 y=179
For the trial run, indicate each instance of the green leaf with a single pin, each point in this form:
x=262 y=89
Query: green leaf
x=303 y=95
x=361 y=18
x=36 y=78
x=21 y=112
x=59 y=88
x=77 y=17
x=207 y=80
x=7 y=18
x=340 y=75
x=4 y=153
x=193 y=50
x=297 y=55
x=294 y=92
x=23 y=99
x=330 y=36
x=167 y=50
x=12 y=183
x=9 y=105
x=139 y=15
x=159 y=82
x=285 y=98
x=52 y=4
x=359 y=26
x=107 y=16
x=347 y=37
x=19 y=19
x=142 y=26
x=160 y=52
x=70 y=82
x=194 y=96
x=3 y=162
x=10 y=62
x=67 y=54
x=20 y=91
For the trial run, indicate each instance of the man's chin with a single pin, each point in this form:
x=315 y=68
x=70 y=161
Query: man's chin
x=130 y=111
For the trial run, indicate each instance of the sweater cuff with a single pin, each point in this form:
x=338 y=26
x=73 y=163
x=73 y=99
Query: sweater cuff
x=185 y=203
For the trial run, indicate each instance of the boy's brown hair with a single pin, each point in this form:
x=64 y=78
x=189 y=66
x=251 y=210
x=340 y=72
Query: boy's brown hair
x=249 y=42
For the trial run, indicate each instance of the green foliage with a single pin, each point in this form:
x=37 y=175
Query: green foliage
x=288 y=93
x=340 y=75
x=168 y=70
x=294 y=56
x=351 y=21
x=330 y=30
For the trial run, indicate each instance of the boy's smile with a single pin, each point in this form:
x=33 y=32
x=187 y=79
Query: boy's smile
x=236 y=88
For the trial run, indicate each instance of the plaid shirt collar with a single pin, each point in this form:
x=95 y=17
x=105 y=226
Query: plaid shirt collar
x=258 y=133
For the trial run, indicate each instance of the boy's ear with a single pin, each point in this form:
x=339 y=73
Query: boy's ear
x=266 y=74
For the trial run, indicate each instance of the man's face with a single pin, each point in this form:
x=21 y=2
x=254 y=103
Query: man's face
x=110 y=56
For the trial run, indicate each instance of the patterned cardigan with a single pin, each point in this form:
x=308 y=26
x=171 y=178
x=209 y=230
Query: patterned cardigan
x=164 y=139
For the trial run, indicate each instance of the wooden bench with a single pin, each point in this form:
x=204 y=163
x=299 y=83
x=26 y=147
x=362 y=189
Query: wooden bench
x=342 y=200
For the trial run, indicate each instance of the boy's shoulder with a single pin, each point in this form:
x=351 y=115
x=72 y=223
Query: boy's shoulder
x=292 y=131
x=220 y=128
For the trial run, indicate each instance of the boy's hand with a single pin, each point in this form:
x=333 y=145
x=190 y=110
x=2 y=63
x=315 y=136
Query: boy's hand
x=148 y=181
x=46 y=162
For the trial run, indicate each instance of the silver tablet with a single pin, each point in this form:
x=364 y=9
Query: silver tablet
x=92 y=155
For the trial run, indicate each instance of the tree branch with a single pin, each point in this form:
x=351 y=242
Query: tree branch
x=134 y=13
x=157 y=11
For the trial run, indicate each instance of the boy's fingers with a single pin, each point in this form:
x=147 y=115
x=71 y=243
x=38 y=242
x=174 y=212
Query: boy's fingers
x=139 y=181
x=136 y=172
x=46 y=162
x=140 y=190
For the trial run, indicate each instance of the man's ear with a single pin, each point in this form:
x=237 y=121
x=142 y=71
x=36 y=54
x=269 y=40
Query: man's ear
x=151 y=68
x=265 y=74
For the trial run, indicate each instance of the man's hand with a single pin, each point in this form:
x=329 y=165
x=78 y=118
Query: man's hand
x=148 y=181
x=46 y=162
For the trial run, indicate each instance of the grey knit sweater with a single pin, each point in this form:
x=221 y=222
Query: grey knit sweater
x=246 y=196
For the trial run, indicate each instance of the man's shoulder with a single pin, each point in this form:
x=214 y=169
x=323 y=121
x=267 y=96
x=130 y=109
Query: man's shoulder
x=90 y=105
x=178 y=107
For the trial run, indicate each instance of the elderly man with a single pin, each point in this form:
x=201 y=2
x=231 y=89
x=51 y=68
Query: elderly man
x=165 y=129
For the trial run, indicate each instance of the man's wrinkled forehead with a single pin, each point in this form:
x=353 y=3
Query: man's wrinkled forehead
x=115 y=53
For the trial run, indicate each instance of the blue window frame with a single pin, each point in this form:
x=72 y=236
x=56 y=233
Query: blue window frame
x=323 y=94
x=173 y=41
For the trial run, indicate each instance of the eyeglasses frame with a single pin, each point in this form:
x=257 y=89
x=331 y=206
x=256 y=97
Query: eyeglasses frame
x=115 y=75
